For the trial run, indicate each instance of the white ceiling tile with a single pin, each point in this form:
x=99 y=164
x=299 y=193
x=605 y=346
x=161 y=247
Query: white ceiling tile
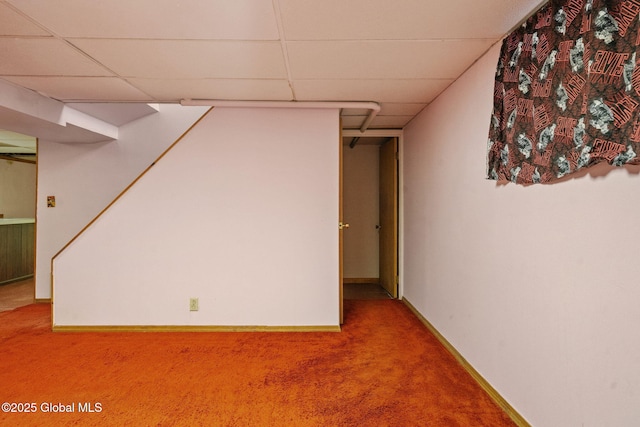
x=156 y=19
x=397 y=91
x=399 y=53
x=401 y=19
x=395 y=109
x=187 y=59
x=82 y=88
x=14 y=24
x=390 y=122
x=233 y=89
x=383 y=59
x=355 y=112
x=45 y=57
x=389 y=109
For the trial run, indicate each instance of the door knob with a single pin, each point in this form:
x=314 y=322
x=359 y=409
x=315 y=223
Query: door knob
x=342 y=225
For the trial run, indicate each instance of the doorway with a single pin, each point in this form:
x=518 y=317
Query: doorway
x=370 y=207
x=18 y=188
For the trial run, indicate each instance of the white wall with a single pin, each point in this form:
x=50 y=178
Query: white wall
x=361 y=200
x=85 y=178
x=17 y=189
x=242 y=214
x=537 y=287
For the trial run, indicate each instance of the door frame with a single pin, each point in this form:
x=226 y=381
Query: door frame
x=391 y=133
x=388 y=212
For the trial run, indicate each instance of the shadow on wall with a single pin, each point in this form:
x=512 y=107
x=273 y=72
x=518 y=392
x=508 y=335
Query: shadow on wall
x=596 y=171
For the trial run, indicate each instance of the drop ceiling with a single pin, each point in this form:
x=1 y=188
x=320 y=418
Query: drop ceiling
x=400 y=54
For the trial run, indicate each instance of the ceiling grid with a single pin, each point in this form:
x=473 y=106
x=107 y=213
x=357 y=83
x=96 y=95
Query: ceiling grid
x=399 y=54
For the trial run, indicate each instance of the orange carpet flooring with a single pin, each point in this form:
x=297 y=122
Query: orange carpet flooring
x=383 y=369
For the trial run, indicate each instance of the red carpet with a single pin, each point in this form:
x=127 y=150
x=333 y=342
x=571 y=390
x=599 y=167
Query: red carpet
x=383 y=369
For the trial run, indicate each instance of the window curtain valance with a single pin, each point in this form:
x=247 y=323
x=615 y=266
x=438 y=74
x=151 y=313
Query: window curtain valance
x=567 y=92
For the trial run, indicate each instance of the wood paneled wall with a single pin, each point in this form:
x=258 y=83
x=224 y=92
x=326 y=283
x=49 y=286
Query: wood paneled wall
x=16 y=251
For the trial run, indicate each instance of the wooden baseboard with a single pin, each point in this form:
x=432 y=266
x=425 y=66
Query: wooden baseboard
x=492 y=392
x=358 y=280
x=194 y=328
x=43 y=300
x=16 y=279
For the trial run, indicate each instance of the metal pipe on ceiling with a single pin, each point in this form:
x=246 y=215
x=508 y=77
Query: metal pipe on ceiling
x=373 y=107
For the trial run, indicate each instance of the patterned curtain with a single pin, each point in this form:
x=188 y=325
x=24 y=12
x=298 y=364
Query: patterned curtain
x=567 y=92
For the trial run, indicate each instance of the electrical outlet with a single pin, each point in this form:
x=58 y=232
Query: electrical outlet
x=193 y=304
